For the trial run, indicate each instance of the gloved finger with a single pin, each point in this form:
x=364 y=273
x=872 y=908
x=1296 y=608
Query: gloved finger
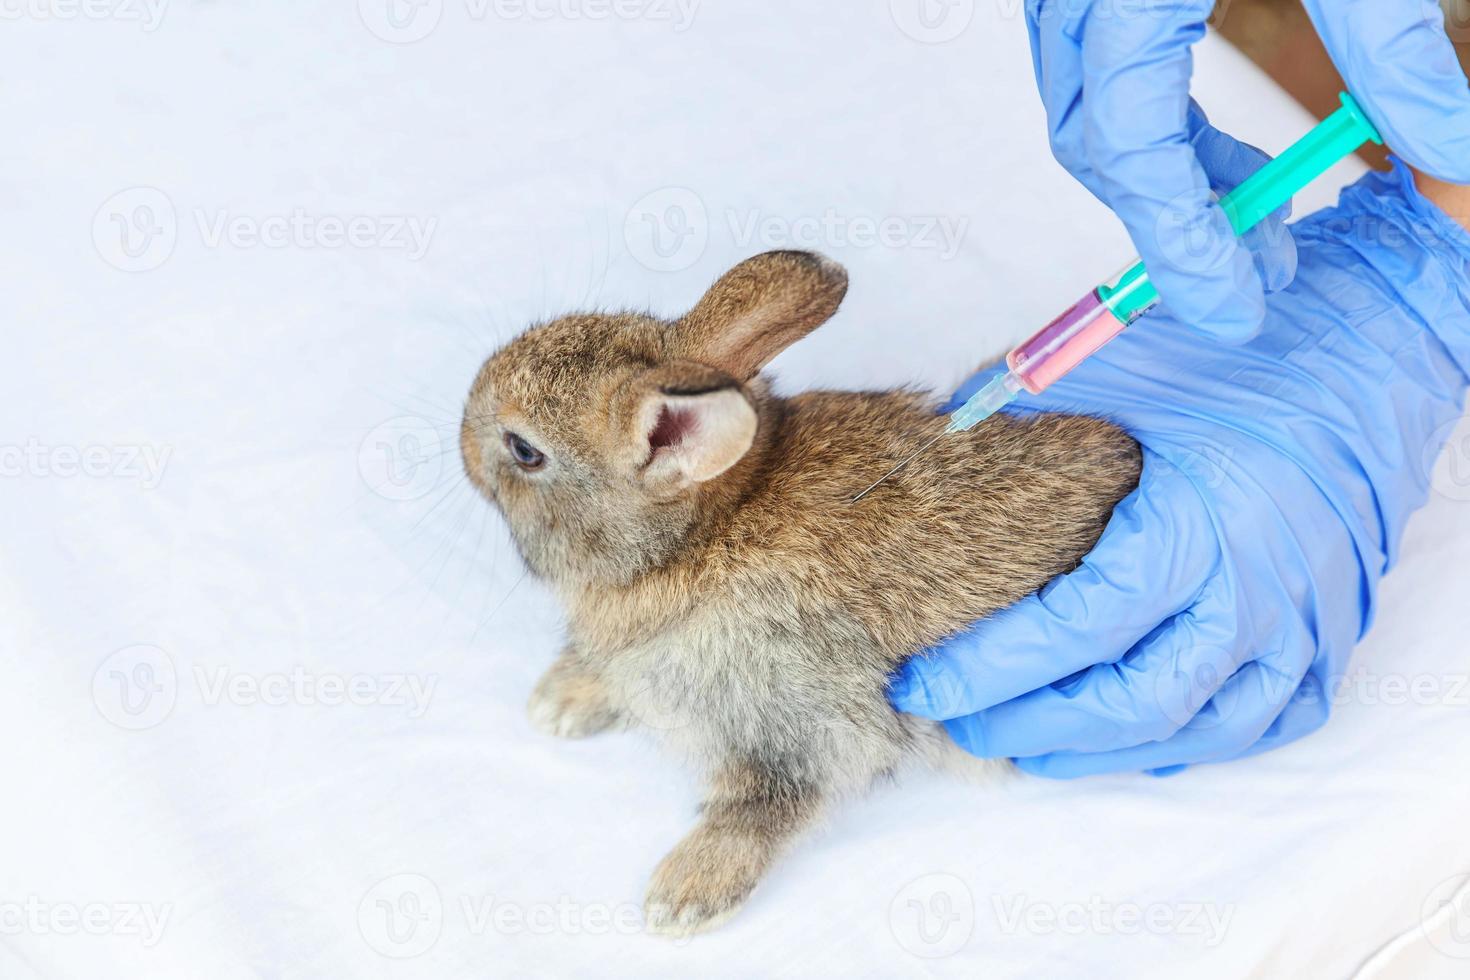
x=1401 y=67
x=1306 y=712
x=1227 y=163
x=1273 y=253
x=1057 y=59
x=1154 y=691
x=1229 y=725
x=1153 y=558
x=1136 y=78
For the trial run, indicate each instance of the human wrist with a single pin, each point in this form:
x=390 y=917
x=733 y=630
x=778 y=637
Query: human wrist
x=1452 y=199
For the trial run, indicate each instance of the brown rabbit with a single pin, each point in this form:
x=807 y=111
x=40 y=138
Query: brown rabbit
x=719 y=585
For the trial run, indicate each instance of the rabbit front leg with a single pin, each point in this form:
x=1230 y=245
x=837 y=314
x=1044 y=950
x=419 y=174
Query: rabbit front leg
x=752 y=814
x=570 y=701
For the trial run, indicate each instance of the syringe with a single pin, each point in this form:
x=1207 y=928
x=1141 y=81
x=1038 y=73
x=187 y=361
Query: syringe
x=1103 y=312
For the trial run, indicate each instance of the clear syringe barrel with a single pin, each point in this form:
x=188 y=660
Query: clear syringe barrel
x=1089 y=323
x=1102 y=314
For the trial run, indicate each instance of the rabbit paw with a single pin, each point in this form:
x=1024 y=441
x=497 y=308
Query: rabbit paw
x=570 y=703
x=700 y=884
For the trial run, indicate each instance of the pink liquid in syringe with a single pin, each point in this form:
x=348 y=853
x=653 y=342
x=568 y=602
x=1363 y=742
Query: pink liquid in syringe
x=1063 y=343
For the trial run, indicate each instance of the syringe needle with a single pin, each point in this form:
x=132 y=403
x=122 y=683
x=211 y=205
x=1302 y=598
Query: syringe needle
x=906 y=460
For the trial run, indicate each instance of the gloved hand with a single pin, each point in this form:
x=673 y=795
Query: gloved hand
x=1114 y=78
x=1228 y=591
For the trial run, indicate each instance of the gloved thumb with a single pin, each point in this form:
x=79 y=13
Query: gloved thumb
x=1203 y=275
x=1227 y=163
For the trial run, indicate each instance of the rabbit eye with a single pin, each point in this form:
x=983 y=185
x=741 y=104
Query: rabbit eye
x=527 y=456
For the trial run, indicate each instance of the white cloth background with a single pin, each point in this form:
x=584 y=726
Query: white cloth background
x=223 y=425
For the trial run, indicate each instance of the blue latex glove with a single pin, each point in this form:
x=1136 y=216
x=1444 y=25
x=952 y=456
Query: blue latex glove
x=1228 y=591
x=1114 y=78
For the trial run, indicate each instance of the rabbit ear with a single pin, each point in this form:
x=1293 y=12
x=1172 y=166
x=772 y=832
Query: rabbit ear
x=761 y=307
x=692 y=424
